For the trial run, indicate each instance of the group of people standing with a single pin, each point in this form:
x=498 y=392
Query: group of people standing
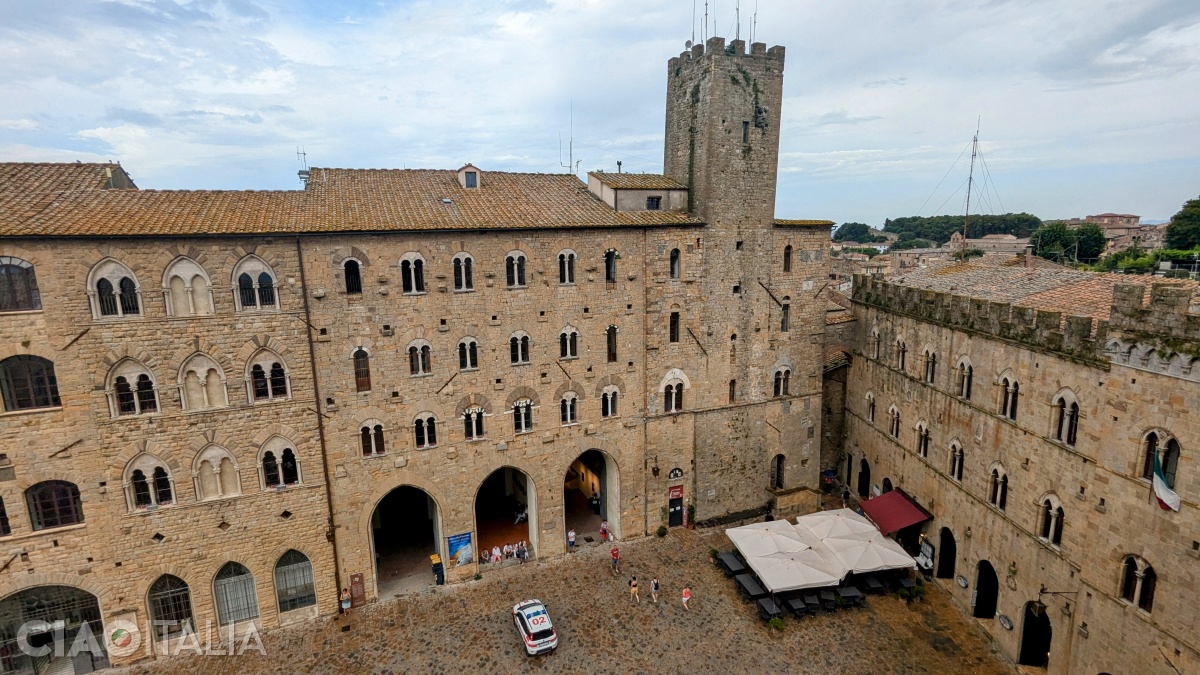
x=655 y=586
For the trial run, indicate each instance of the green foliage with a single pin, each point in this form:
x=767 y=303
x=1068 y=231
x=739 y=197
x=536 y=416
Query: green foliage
x=713 y=553
x=776 y=623
x=939 y=228
x=1184 y=230
x=859 y=232
x=1054 y=241
x=973 y=253
x=1134 y=260
x=905 y=594
x=906 y=244
x=478 y=576
x=1090 y=242
x=661 y=531
x=918 y=591
x=865 y=250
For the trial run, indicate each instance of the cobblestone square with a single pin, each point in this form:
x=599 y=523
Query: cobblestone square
x=467 y=627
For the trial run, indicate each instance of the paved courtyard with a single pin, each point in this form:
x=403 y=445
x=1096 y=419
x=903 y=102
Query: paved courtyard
x=467 y=628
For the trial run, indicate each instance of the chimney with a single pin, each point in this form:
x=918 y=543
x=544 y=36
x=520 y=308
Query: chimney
x=1028 y=256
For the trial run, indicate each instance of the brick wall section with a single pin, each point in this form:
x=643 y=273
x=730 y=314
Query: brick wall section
x=1109 y=510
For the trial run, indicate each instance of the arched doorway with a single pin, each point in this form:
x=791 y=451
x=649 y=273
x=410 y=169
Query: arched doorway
x=404 y=533
x=864 y=479
x=947 y=553
x=849 y=467
x=887 y=485
x=987 y=590
x=1035 y=637
x=591 y=495
x=506 y=510
x=53 y=613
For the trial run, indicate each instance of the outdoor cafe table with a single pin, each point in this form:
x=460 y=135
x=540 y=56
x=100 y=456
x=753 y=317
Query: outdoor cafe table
x=908 y=583
x=749 y=587
x=796 y=605
x=851 y=594
x=731 y=564
x=873 y=585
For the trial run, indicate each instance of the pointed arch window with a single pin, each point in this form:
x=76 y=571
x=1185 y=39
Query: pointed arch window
x=998 y=489
x=966 y=377
x=1012 y=393
x=255 y=285
x=1052 y=522
x=901 y=354
x=923 y=441
x=930 y=367
x=279 y=466
x=114 y=290
x=894 y=423
x=957 y=460
x=1066 y=420
x=215 y=475
x=870 y=407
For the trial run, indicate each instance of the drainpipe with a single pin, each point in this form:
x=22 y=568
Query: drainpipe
x=331 y=532
x=645 y=381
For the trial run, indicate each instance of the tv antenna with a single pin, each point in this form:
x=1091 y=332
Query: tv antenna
x=693 y=40
x=754 y=22
x=705 y=32
x=737 y=20
x=970 y=182
x=302 y=157
x=571 y=163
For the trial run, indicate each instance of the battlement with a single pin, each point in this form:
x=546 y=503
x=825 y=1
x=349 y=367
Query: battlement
x=716 y=48
x=1071 y=336
x=1168 y=312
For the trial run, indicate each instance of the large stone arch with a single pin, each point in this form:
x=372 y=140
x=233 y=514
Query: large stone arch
x=363 y=528
x=609 y=486
x=537 y=492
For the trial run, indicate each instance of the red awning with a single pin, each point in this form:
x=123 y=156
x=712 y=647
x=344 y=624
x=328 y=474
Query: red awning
x=893 y=511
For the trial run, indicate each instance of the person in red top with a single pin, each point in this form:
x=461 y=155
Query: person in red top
x=616 y=560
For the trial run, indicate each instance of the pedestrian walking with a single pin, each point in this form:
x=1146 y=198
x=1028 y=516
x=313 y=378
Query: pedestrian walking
x=845 y=498
x=345 y=601
x=687 y=596
x=604 y=531
x=654 y=589
x=571 y=541
x=616 y=560
x=633 y=589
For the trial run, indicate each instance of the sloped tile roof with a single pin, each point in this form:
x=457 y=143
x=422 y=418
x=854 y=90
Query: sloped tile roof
x=26 y=188
x=803 y=223
x=637 y=181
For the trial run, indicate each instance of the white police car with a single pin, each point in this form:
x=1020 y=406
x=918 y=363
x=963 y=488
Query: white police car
x=533 y=623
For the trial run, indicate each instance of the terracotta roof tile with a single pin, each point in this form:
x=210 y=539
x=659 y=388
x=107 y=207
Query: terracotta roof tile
x=803 y=223
x=637 y=181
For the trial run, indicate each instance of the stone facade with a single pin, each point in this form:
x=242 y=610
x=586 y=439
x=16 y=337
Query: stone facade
x=1130 y=376
x=345 y=323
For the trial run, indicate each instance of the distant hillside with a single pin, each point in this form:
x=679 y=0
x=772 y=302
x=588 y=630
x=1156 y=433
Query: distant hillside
x=939 y=228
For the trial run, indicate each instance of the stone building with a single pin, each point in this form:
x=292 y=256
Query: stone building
x=222 y=407
x=1025 y=409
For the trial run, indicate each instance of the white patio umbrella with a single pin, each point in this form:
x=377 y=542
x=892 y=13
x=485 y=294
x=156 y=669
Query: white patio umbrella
x=873 y=555
x=781 y=572
x=759 y=539
x=842 y=523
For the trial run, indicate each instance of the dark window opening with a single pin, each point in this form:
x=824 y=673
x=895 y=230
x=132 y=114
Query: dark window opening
x=653 y=203
x=28 y=382
x=353 y=278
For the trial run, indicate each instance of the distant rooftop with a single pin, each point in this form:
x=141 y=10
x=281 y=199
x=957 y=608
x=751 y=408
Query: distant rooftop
x=637 y=181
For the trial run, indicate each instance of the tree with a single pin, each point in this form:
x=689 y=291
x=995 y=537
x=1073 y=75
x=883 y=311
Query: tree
x=1184 y=230
x=859 y=232
x=904 y=244
x=1090 y=241
x=1054 y=241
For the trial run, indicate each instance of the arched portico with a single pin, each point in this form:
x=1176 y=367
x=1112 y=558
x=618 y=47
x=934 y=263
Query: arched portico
x=405 y=531
x=592 y=495
x=506 y=510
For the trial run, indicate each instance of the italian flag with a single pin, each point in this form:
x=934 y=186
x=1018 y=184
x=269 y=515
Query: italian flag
x=1167 y=498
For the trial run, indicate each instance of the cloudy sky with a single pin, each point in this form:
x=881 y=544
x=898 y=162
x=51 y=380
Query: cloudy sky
x=1084 y=106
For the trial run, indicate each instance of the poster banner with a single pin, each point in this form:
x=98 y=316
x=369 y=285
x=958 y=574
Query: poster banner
x=460 y=549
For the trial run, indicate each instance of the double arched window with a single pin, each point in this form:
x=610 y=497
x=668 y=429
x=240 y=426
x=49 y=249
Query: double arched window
x=523 y=416
x=463 y=273
x=901 y=354
x=568 y=343
x=870 y=407
x=1011 y=394
x=567 y=408
x=473 y=423
x=923 y=439
x=267 y=377
x=370 y=436
x=673 y=396
x=566 y=267
x=420 y=358
x=278 y=465
x=131 y=389
x=608 y=401
x=783 y=378
x=54 y=503
x=998 y=488
x=187 y=290
x=514 y=269
x=412 y=274
x=255 y=281
x=352 y=272
x=468 y=354
x=1051 y=520
x=202 y=383
x=966 y=377
x=18 y=286
x=894 y=422
x=958 y=458
x=518 y=348
x=1158 y=446
x=875 y=340
x=216 y=474
x=930 y=366
x=113 y=290
x=1066 y=418
x=425 y=431
x=362 y=369
x=147 y=483
x=1138 y=581
x=28 y=382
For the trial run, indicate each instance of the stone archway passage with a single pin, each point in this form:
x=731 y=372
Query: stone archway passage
x=947 y=554
x=506 y=510
x=591 y=496
x=864 y=479
x=1035 y=637
x=404 y=531
x=82 y=628
x=987 y=591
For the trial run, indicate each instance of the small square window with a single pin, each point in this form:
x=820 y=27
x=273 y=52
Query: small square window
x=738 y=245
x=472 y=179
x=653 y=203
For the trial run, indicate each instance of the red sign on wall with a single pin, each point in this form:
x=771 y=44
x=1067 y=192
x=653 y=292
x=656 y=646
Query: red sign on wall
x=675 y=492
